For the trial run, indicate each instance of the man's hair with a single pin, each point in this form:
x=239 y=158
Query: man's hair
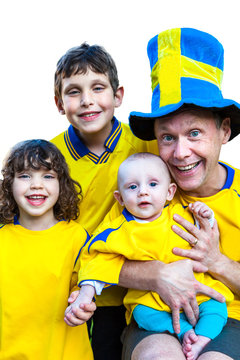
x=39 y=154
x=217 y=115
x=79 y=59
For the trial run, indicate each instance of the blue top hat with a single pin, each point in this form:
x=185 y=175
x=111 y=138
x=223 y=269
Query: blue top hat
x=186 y=71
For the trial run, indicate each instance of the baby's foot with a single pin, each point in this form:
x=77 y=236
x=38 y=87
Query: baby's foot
x=192 y=344
x=189 y=339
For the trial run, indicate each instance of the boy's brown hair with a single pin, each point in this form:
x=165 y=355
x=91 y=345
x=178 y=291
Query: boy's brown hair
x=37 y=154
x=79 y=59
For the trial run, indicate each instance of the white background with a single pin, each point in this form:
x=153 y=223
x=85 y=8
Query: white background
x=35 y=34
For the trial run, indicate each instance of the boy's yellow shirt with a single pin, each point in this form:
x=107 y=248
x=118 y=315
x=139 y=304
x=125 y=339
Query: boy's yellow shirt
x=98 y=175
x=37 y=271
x=98 y=178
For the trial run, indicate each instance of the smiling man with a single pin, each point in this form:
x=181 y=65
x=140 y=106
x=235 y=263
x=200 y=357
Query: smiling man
x=190 y=142
x=191 y=121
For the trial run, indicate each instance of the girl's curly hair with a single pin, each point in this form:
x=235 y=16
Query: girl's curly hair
x=37 y=154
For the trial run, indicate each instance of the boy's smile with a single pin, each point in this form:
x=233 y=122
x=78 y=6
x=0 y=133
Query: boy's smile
x=89 y=102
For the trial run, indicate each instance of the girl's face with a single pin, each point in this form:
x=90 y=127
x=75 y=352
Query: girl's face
x=36 y=192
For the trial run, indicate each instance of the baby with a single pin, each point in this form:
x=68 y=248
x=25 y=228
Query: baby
x=143 y=232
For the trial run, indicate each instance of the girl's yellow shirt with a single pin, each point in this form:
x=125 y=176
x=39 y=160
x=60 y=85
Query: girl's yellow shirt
x=37 y=271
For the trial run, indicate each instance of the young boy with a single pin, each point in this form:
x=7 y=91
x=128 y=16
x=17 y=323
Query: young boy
x=143 y=232
x=87 y=91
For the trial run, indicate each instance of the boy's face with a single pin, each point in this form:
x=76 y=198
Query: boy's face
x=144 y=187
x=88 y=102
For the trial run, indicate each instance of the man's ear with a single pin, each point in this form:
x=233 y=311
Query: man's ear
x=226 y=128
x=59 y=105
x=118 y=197
x=119 y=96
x=171 y=191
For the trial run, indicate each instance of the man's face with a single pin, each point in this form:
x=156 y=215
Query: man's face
x=190 y=144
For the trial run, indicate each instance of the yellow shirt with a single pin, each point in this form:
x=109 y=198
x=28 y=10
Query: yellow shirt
x=226 y=207
x=98 y=174
x=98 y=178
x=104 y=254
x=37 y=271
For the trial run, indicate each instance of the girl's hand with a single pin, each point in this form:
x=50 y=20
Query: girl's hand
x=78 y=315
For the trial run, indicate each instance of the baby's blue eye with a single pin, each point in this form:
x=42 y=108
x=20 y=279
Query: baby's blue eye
x=132 y=187
x=153 y=184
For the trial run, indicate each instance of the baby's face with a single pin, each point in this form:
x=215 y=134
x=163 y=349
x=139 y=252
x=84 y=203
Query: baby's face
x=144 y=185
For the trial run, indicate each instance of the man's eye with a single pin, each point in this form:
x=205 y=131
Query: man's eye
x=167 y=138
x=194 y=133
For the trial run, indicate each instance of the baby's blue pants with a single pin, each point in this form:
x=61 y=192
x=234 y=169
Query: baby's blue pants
x=212 y=319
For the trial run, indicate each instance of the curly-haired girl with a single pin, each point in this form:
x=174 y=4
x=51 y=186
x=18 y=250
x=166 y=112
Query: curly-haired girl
x=40 y=247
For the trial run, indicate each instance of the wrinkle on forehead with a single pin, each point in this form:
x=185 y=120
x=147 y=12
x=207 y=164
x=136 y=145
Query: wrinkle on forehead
x=189 y=117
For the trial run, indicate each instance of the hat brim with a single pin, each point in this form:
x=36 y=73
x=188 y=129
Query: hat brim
x=142 y=124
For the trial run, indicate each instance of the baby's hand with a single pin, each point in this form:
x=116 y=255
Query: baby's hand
x=200 y=212
x=200 y=209
x=82 y=309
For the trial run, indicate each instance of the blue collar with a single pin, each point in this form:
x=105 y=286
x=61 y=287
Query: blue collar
x=78 y=149
x=15 y=220
x=230 y=176
x=128 y=216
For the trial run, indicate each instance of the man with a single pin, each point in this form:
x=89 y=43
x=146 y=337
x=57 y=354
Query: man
x=191 y=121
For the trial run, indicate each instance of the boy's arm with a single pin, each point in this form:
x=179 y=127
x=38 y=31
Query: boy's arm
x=82 y=308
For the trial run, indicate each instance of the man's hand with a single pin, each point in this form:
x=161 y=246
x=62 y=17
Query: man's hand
x=175 y=283
x=205 y=241
x=178 y=287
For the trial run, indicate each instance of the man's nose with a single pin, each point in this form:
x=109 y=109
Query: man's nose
x=182 y=148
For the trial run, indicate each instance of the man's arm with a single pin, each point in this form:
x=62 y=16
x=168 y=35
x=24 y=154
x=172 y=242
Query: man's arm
x=175 y=283
x=207 y=251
